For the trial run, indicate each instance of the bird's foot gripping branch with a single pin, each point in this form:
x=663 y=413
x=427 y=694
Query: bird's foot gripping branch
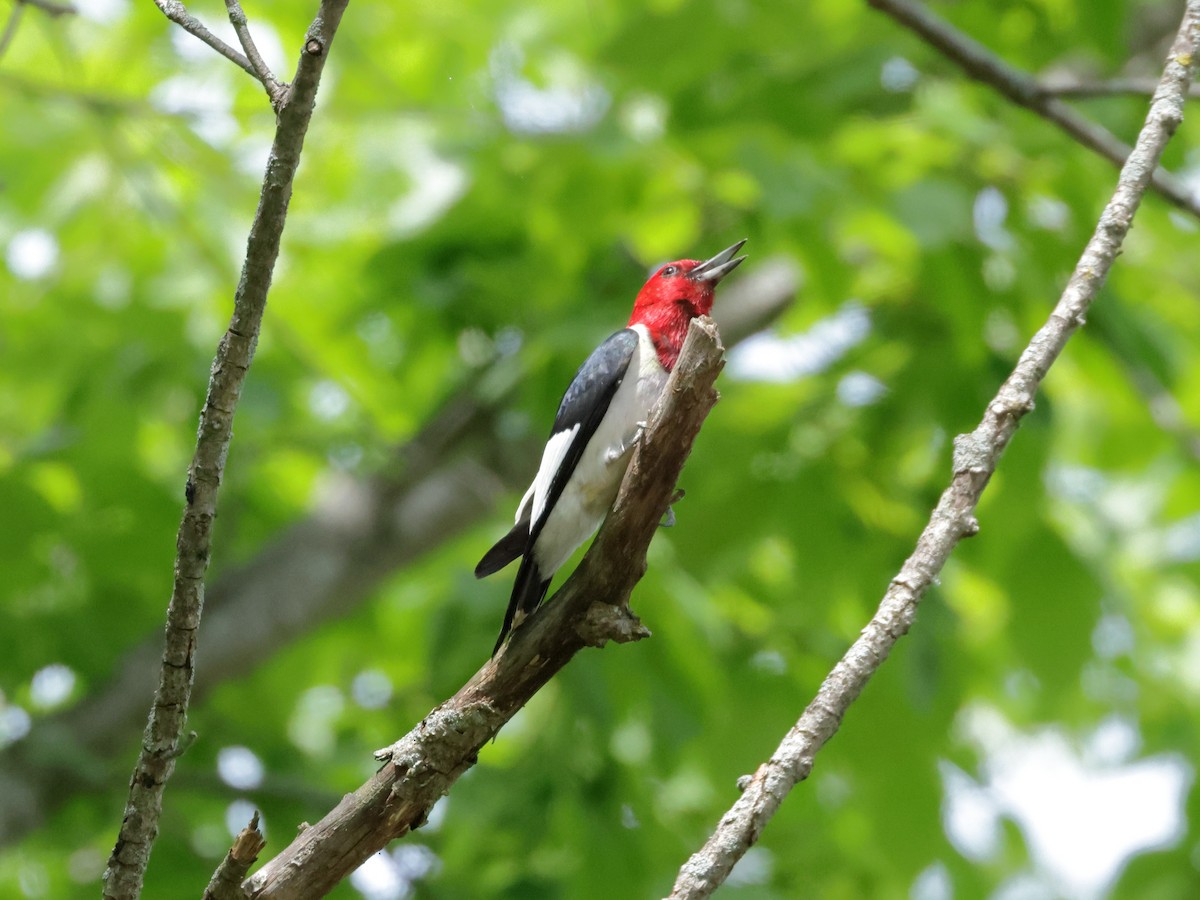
x=590 y=610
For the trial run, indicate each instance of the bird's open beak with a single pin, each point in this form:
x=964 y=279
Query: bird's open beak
x=714 y=269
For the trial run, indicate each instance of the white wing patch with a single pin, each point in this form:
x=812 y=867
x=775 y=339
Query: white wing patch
x=589 y=493
x=552 y=460
x=524 y=503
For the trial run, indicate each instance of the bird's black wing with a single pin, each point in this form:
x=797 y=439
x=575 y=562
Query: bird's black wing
x=585 y=404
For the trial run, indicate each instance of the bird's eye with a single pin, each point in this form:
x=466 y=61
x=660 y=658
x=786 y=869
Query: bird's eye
x=669 y=271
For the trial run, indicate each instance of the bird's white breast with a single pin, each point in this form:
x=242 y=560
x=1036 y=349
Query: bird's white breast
x=593 y=486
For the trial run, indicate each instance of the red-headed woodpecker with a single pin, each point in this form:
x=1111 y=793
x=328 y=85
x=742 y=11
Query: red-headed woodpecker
x=598 y=422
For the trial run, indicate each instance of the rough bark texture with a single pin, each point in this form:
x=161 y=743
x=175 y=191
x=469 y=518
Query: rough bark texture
x=975 y=458
x=445 y=480
x=590 y=610
x=161 y=742
x=1024 y=90
x=226 y=883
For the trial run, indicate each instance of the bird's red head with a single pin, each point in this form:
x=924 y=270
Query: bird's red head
x=677 y=293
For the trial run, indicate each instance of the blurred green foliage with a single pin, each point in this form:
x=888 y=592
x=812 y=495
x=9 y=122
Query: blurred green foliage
x=476 y=172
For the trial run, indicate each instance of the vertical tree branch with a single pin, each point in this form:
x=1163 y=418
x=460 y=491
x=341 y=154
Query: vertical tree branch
x=975 y=458
x=161 y=742
x=1024 y=90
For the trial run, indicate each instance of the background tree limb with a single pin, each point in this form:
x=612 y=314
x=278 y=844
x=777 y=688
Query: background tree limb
x=589 y=610
x=50 y=8
x=161 y=742
x=10 y=26
x=976 y=456
x=1064 y=85
x=1024 y=90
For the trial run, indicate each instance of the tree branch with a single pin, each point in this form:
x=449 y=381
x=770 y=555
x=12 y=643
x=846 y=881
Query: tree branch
x=177 y=13
x=160 y=746
x=10 y=26
x=1084 y=89
x=975 y=458
x=226 y=883
x=1023 y=89
x=237 y=18
x=590 y=610
x=50 y=8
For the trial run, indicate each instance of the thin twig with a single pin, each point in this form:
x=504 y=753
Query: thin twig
x=10 y=27
x=161 y=742
x=1160 y=403
x=177 y=13
x=590 y=610
x=1023 y=89
x=237 y=18
x=51 y=8
x=975 y=458
x=1081 y=89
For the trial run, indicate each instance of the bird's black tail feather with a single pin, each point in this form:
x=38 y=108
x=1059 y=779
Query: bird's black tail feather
x=505 y=550
x=528 y=591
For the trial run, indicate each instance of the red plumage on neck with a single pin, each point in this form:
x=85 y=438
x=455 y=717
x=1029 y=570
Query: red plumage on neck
x=666 y=305
x=668 y=325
